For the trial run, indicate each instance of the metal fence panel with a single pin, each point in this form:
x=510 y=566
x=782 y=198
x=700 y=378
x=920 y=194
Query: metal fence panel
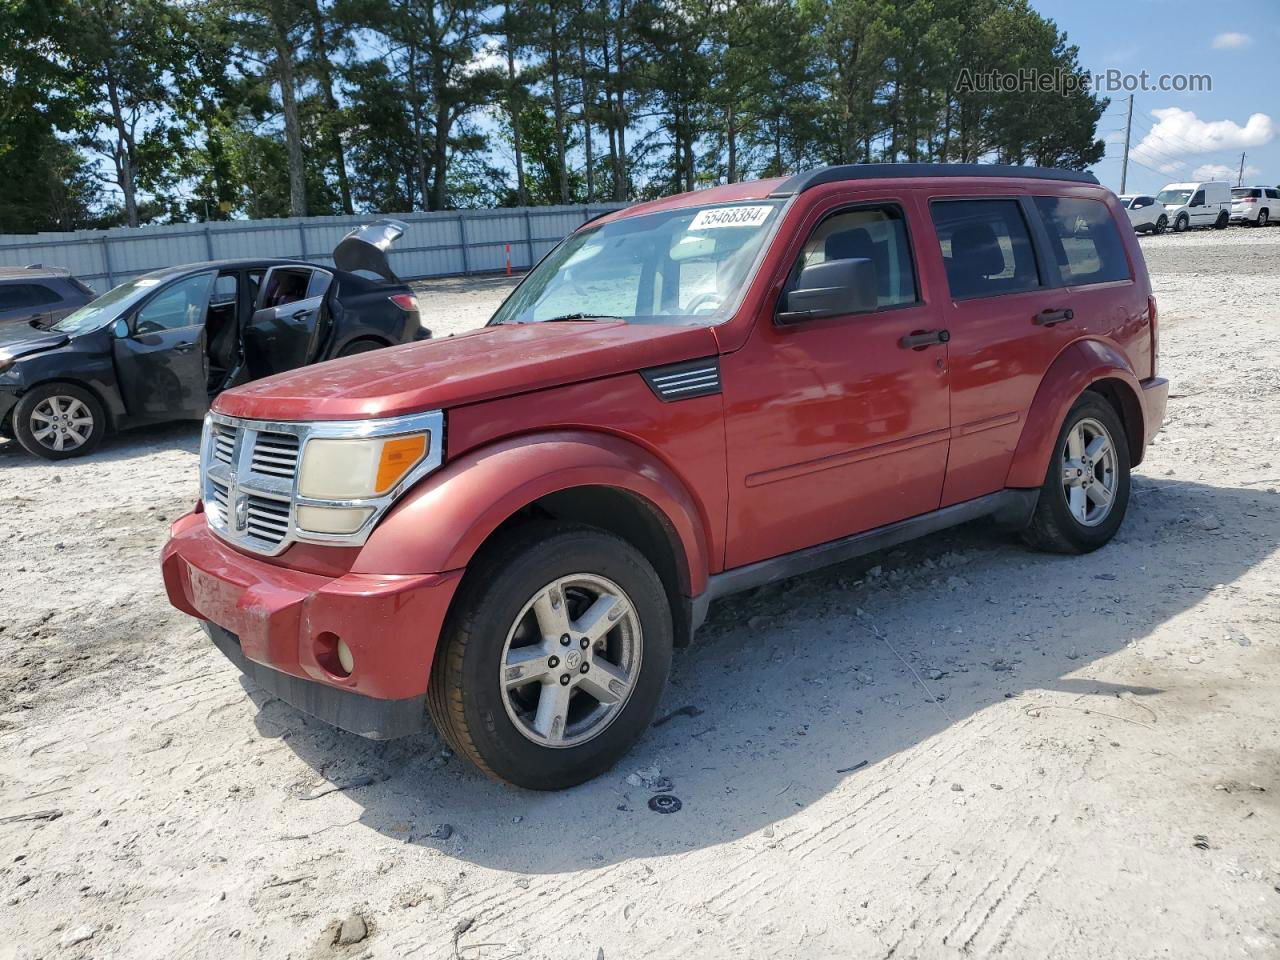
x=446 y=243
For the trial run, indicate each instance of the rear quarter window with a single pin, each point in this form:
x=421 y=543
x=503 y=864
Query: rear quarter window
x=1084 y=240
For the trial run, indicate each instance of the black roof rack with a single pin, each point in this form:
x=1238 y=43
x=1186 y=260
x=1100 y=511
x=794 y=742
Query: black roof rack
x=886 y=171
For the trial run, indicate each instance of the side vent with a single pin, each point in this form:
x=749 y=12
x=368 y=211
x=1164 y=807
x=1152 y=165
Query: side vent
x=682 y=381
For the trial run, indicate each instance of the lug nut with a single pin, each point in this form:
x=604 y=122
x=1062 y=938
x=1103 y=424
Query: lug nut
x=564 y=640
x=564 y=679
x=553 y=662
x=585 y=667
x=584 y=643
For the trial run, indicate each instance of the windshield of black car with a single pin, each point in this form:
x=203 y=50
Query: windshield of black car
x=99 y=312
x=678 y=267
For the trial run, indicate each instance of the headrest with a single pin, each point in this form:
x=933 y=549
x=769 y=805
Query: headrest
x=975 y=246
x=850 y=245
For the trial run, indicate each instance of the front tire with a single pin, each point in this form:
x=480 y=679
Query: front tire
x=554 y=657
x=57 y=421
x=1263 y=218
x=1162 y=224
x=1086 y=487
x=1181 y=223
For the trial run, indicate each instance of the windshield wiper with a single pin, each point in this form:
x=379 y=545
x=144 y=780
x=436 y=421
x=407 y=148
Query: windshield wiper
x=579 y=316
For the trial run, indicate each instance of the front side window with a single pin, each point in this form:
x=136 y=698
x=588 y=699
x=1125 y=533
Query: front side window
x=878 y=234
x=986 y=247
x=179 y=305
x=1084 y=240
x=685 y=266
x=1198 y=199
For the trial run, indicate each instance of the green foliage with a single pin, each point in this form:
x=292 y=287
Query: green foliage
x=145 y=110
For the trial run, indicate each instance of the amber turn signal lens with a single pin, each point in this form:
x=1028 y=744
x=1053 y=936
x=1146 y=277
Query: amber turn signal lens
x=399 y=456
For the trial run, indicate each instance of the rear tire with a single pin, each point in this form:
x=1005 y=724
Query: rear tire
x=1224 y=218
x=359 y=346
x=57 y=421
x=503 y=651
x=1090 y=465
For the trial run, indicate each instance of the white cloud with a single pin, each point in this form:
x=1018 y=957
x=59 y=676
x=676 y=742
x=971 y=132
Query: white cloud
x=1231 y=41
x=1220 y=171
x=1179 y=134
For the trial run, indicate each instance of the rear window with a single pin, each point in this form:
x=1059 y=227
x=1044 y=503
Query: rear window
x=16 y=295
x=1084 y=240
x=986 y=247
x=1240 y=193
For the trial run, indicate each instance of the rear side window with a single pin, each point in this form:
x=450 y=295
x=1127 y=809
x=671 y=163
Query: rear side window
x=878 y=234
x=15 y=295
x=986 y=247
x=1084 y=240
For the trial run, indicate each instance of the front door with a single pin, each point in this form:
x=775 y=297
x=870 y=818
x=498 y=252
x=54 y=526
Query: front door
x=838 y=425
x=161 y=364
x=290 y=317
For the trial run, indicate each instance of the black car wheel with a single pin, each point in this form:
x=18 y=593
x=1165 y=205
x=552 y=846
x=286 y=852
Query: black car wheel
x=359 y=346
x=57 y=421
x=554 y=657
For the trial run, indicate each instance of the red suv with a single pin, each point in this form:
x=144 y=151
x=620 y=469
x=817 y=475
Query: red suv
x=684 y=399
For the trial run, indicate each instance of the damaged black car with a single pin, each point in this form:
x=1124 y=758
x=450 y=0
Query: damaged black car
x=161 y=346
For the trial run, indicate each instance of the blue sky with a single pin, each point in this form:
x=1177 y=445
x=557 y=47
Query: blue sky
x=1235 y=42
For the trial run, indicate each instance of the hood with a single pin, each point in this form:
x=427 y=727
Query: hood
x=20 y=338
x=486 y=363
x=365 y=248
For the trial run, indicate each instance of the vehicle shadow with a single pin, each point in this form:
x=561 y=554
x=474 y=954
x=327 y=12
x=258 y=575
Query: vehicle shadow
x=798 y=687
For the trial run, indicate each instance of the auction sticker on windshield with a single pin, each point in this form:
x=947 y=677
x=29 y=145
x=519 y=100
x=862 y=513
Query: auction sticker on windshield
x=730 y=217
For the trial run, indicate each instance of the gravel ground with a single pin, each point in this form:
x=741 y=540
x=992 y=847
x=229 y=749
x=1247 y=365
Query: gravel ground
x=1097 y=776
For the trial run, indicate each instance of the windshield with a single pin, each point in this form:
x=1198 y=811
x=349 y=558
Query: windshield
x=1240 y=193
x=97 y=313
x=679 y=266
x=1173 y=198
x=1125 y=201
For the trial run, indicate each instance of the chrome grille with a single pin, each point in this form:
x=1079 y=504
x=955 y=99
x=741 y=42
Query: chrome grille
x=224 y=442
x=275 y=454
x=267 y=519
x=249 y=477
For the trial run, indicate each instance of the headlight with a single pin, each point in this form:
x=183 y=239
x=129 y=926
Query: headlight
x=358 y=469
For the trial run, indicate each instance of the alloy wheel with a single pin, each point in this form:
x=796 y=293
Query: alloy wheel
x=1089 y=474
x=61 y=423
x=571 y=660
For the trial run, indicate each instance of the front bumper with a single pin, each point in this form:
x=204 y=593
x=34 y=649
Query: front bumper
x=277 y=623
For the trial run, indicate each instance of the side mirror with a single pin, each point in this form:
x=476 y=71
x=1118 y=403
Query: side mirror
x=120 y=329
x=828 y=289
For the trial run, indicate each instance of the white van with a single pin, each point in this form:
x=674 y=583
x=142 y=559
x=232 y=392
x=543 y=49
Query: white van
x=1204 y=204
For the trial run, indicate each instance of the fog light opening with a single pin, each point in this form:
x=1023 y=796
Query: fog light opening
x=333 y=655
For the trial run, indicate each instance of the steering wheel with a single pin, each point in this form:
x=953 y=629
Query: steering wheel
x=706 y=303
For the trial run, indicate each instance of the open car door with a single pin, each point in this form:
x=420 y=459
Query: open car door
x=290 y=319
x=159 y=352
x=365 y=249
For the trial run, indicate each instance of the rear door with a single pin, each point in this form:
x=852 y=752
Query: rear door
x=1000 y=306
x=835 y=425
x=161 y=364
x=289 y=320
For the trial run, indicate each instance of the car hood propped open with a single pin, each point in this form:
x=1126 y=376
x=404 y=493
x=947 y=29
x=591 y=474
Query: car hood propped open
x=365 y=248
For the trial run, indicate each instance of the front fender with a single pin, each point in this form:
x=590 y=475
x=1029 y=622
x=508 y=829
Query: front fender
x=1078 y=367
x=439 y=524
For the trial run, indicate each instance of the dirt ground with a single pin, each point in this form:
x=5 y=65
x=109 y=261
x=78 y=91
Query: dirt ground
x=1097 y=776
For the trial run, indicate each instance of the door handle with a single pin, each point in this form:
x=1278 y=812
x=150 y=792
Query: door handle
x=183 y=348
x=925 y=338
x=1047 y=318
